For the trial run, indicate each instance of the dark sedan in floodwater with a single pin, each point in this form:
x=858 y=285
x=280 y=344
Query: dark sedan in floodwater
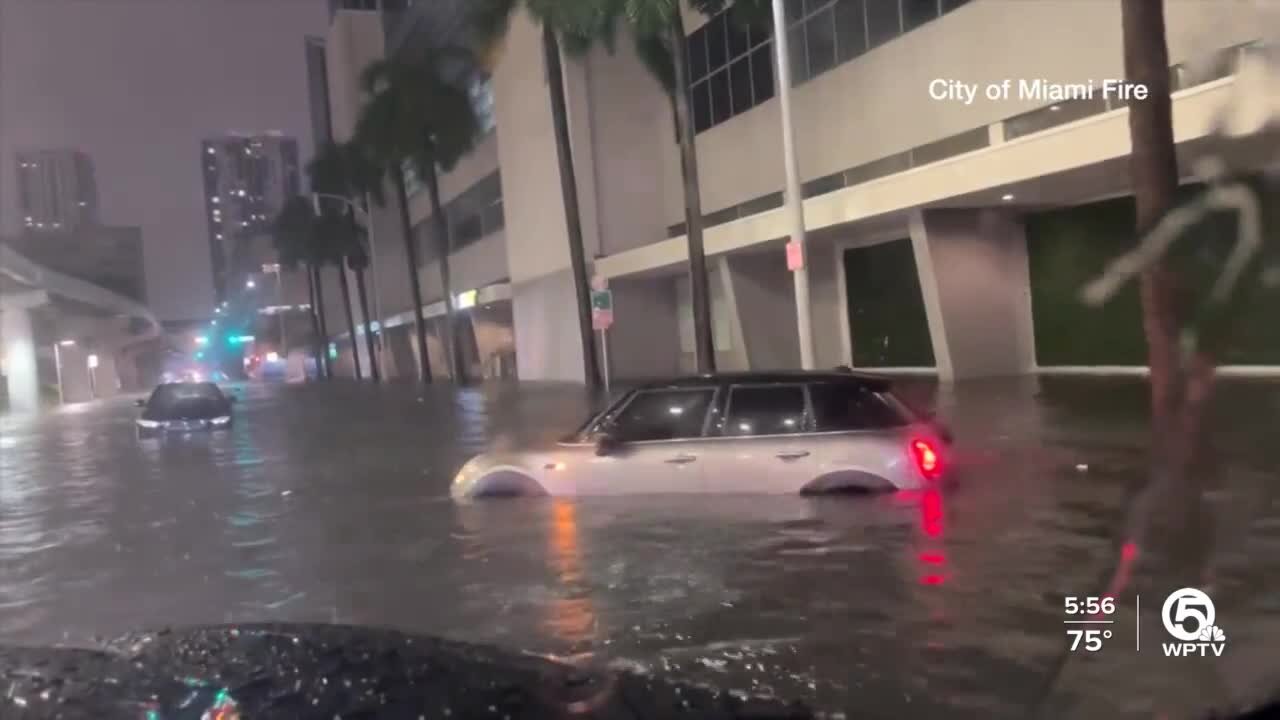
x=184 y=407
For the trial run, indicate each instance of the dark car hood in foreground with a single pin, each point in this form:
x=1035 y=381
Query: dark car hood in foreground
x=334 y=671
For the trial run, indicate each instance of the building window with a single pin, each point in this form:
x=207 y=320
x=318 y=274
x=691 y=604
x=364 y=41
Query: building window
x=472 y=215
x=731 y=61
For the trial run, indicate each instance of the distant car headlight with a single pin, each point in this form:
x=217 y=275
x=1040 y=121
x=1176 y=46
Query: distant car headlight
x=220 y=421
x=148 y=424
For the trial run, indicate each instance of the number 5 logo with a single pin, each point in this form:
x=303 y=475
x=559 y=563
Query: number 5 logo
x=1185 y=612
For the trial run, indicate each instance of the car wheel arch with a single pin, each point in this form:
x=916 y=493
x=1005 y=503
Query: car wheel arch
x=506 y=482
x=847 y=481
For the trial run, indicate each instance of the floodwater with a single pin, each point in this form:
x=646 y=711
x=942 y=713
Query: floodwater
x=330 y=503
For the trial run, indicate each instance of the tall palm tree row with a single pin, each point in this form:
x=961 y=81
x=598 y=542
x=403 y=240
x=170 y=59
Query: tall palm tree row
x=578 y=25
x=298 y=242
x=344 y=170
x=418 y=111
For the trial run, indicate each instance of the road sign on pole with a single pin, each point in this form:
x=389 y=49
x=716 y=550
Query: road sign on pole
x=795 y=256
x=601 y=309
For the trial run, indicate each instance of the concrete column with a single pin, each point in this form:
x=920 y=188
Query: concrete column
x=764 y=307
x=548 y=342
x=18 y=343
x=75 y=374
x=977 y=294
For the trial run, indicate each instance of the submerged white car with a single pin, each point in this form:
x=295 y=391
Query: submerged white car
x=779 y=433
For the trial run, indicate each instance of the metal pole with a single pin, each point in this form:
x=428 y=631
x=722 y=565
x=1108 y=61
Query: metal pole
x=284 y=342
x=57 y=366
x=795 y=201
x=604 y=358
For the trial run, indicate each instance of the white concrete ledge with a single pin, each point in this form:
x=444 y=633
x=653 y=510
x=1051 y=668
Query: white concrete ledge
x=1079 y=144
x=1255 y=371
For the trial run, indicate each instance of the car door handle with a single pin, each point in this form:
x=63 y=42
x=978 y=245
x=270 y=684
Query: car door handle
x=682 y=459
x=795 y=455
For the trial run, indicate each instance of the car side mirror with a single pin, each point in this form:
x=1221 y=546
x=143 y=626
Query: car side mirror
x=140 y=402
x=607 y=444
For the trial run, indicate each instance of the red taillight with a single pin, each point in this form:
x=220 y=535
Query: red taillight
x=927 y=458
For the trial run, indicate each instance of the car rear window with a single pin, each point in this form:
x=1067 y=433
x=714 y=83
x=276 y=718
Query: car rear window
x=194 y=398
x=850 y=406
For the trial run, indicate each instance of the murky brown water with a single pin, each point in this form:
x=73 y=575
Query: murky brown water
x=329 y=503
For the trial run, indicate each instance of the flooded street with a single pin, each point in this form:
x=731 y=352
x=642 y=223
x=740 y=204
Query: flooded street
x=330 y=503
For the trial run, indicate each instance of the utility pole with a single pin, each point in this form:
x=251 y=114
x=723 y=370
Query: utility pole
x=797 y=261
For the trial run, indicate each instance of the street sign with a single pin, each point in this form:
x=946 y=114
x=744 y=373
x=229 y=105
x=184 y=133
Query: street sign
x=795 y=256
x=601 y=309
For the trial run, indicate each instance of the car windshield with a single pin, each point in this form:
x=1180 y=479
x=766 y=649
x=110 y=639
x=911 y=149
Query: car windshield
x=846 y=352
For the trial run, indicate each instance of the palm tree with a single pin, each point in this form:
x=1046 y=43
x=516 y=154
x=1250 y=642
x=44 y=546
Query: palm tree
x=294 y=235
x=420 y=112
x=577 y=24
x=343 y=169
x=358 y=261
x=345 y=236
x=657 y=28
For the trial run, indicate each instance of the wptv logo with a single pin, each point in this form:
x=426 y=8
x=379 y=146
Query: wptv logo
x=1188 y=615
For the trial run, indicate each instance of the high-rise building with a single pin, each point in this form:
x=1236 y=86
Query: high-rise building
x=247 y=179
x=56 y=190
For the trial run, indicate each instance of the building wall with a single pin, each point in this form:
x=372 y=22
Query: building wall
x=631 y=128
x=764 y=293
x=532 y=200
x=644 y=340
x=548 y=342
x=974 y=278
x=474 y=266
x=838 y=125
x=355 y=39
x=472 y=168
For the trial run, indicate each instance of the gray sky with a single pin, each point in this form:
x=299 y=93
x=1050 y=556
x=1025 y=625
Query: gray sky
x=137 y=84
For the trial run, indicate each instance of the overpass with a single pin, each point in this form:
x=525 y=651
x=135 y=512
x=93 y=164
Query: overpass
x=65 y=339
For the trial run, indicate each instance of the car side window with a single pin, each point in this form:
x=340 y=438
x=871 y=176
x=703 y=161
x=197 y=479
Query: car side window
x=669 y=414
x=765 y=410
x=849 y=406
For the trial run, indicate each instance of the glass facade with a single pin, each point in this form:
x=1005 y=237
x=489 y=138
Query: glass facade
x=731 y=66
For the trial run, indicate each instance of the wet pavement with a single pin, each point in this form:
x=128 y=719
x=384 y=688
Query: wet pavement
x=330 y=504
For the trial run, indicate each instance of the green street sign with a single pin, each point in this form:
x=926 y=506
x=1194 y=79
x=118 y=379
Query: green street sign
x=601 y=300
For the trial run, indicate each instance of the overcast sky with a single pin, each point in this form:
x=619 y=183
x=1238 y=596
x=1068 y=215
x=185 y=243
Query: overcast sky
x=137 y=84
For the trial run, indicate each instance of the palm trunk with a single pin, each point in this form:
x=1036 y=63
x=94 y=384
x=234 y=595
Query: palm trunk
x=1180 y=387
x=450 y=335
x=318 y=342
x=368 y=326
x=317 y=273
x=703 y=343
x=1154 y=167
x=351 y=320
x=569 y=193
x=415 y=287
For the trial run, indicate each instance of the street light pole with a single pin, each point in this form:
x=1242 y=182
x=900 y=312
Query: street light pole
x=794 y=198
